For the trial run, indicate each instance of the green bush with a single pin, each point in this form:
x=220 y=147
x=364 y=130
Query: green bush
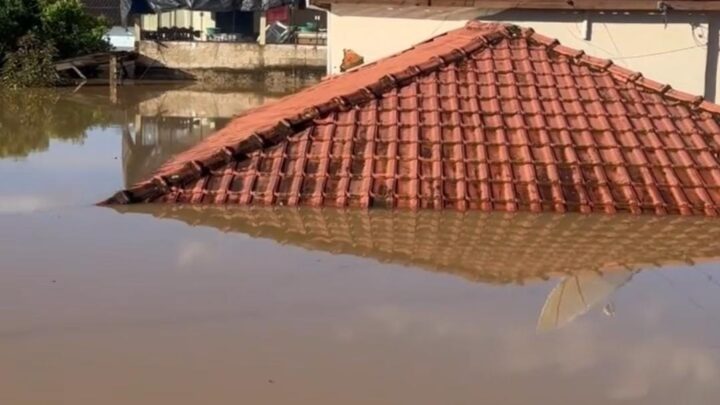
x=72 y=31
x=35 y=32
x=30 y=65
x=17 y=18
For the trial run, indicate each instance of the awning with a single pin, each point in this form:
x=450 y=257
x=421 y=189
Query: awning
x=128 y=7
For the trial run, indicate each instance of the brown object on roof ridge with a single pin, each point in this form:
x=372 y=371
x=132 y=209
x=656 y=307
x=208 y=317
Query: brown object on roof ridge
x=263 y=128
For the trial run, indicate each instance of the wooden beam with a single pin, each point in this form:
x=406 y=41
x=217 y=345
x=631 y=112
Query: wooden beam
x=79 y=73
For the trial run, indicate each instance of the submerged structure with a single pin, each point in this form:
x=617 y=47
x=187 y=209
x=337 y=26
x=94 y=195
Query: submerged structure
x=487 y=117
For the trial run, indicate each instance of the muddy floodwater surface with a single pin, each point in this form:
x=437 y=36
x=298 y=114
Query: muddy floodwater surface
x=186 y=305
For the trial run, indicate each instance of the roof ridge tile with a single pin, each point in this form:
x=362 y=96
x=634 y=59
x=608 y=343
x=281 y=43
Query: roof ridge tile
x=595 y=62
x=568 y=51
x=621 y=72
x=628 y=75
x=710 y=107
x=684 y=97
x=543 y=40
x=653 y=85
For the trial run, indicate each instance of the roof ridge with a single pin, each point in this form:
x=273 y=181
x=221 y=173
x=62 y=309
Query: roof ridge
x=579 y=57
x=195 y=169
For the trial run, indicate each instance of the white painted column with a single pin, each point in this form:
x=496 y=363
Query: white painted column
x=263 y=28
x=329 y=42
x=137 y=30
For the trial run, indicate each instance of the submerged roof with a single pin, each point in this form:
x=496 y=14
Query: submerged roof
x=489 y=117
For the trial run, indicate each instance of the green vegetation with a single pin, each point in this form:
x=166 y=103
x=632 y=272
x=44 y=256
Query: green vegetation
x=30 y=65
x=35 y=32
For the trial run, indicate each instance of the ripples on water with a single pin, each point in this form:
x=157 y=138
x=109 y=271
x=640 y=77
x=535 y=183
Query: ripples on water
x=177 y=304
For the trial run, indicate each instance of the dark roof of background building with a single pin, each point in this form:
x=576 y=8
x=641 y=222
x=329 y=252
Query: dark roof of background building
x=489 y=117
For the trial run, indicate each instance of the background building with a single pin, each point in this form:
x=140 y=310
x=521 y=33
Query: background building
x=675 y=42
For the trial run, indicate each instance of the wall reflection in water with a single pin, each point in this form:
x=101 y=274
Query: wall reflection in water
x=591 y=256
x=151 y=141
x=175 y=120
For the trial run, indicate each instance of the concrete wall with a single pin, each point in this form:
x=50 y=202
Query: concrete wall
x=672 y=50
x=232 y=56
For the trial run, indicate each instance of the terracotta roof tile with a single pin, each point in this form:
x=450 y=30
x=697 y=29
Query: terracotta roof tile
x=488 y=117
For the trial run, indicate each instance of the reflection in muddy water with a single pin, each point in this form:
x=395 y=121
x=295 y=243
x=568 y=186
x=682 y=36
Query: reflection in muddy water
x=174 y=121
x=592 y=255
x=185 y=305
x=150 y=141
x=490 y=248
x=28 y=120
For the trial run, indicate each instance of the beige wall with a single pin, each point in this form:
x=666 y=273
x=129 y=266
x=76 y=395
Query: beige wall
x=673 y=53
x=192 y=103
x=368 y=31
x=229 y=55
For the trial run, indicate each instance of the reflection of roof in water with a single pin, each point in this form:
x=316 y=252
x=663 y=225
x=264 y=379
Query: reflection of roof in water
x=496 y=248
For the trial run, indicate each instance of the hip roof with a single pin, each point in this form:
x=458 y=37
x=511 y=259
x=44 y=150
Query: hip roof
x=487 y=117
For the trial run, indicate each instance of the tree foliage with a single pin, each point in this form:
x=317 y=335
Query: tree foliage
x=30 y=65
x=17 y=19
x=72 y=31
x=55 y=29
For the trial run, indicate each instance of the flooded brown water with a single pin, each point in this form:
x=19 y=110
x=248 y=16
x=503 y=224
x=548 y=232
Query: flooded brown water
x=187 y=305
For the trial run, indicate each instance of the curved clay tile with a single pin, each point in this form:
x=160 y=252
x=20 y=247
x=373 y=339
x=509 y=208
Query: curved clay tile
x=487 y=117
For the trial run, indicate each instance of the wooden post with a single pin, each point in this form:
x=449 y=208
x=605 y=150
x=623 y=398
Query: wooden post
x=263 y=27
x=113 y=79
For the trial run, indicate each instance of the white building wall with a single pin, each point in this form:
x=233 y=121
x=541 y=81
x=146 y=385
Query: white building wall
x=674 y=52
x=369 y=31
